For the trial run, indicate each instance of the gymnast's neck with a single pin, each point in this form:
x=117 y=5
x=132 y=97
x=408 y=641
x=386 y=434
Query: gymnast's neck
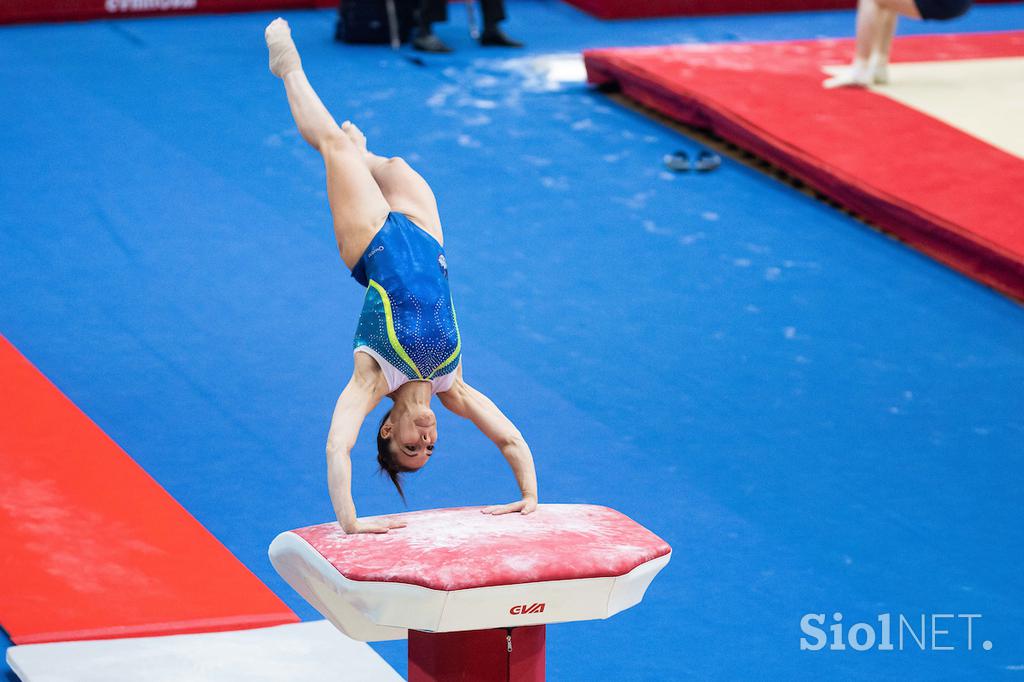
x=412 y=394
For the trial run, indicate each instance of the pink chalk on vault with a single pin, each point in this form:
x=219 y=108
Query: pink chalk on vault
x=462 y=571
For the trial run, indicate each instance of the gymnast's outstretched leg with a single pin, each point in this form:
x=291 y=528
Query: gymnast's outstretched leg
x=357 y=204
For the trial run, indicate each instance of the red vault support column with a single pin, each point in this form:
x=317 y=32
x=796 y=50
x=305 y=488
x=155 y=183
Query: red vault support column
x=498 y=655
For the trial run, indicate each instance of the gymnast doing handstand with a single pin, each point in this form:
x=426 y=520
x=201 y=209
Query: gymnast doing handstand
x=407 y=343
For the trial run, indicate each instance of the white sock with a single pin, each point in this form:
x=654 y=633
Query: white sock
x=857 y=75
x=284 y=58
x=878 y=66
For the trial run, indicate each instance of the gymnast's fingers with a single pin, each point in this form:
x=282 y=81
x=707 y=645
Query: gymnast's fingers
x=504 y=508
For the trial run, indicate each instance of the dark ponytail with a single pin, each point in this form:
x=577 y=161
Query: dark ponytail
x=387 y=461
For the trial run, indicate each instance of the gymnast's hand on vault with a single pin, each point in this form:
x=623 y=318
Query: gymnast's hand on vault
x=375 y=526
x=523 y=506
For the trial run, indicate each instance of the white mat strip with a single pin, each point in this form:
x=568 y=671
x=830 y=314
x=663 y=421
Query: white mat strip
x=294 y=653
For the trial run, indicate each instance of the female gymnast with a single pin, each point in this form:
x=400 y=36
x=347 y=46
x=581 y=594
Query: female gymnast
x=407 y=344
x=876 y=26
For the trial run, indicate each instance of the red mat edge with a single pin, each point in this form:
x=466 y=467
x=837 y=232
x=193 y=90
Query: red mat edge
x=928 y=234
x=284 y=615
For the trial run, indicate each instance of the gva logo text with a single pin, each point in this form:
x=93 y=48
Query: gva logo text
x=523 y=609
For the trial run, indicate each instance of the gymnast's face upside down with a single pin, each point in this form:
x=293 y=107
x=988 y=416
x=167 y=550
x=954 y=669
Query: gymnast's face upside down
x=410 y=432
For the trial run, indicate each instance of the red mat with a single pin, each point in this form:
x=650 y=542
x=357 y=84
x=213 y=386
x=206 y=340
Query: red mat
x=18 y=11
x=634 y=9
x=93 y=548
x=947 y=193
x=631 y=9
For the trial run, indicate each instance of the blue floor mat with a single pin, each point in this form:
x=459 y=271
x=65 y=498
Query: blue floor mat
x=817 y=418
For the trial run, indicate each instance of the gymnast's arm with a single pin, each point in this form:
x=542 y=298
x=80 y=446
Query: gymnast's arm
x=360 y=396
x=466 y=401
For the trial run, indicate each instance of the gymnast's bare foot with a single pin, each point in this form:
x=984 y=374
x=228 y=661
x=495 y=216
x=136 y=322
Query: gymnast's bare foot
x=359 y=139
x=284 y=57
x=356 y=135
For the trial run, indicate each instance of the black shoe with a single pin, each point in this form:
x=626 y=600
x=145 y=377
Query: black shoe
x=495 y=37
x=429 y=42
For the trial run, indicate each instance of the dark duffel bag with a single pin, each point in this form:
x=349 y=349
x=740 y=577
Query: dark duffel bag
x=366 y=21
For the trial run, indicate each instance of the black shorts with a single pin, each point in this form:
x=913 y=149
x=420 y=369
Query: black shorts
x=942 y=9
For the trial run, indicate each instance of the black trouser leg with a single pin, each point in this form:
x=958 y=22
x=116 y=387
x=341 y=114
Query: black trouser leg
x=493 y=11
x=432 y=11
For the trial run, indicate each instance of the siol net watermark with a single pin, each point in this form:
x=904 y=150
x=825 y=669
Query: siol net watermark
x=892 y=632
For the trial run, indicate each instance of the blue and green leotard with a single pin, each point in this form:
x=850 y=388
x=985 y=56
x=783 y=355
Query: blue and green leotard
x=408 y=320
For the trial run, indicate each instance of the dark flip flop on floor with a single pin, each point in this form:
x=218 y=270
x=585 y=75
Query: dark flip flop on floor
x=677 y=161
x=707 y=161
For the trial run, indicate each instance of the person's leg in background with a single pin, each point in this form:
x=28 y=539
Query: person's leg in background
x=876 y=25
x=941 y=10
x=878 y=63
x=492 y=35
x=430 y=12
x=869 y=26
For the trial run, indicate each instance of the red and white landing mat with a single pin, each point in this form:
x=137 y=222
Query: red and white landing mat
x=935 y=157
x=286 y=653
